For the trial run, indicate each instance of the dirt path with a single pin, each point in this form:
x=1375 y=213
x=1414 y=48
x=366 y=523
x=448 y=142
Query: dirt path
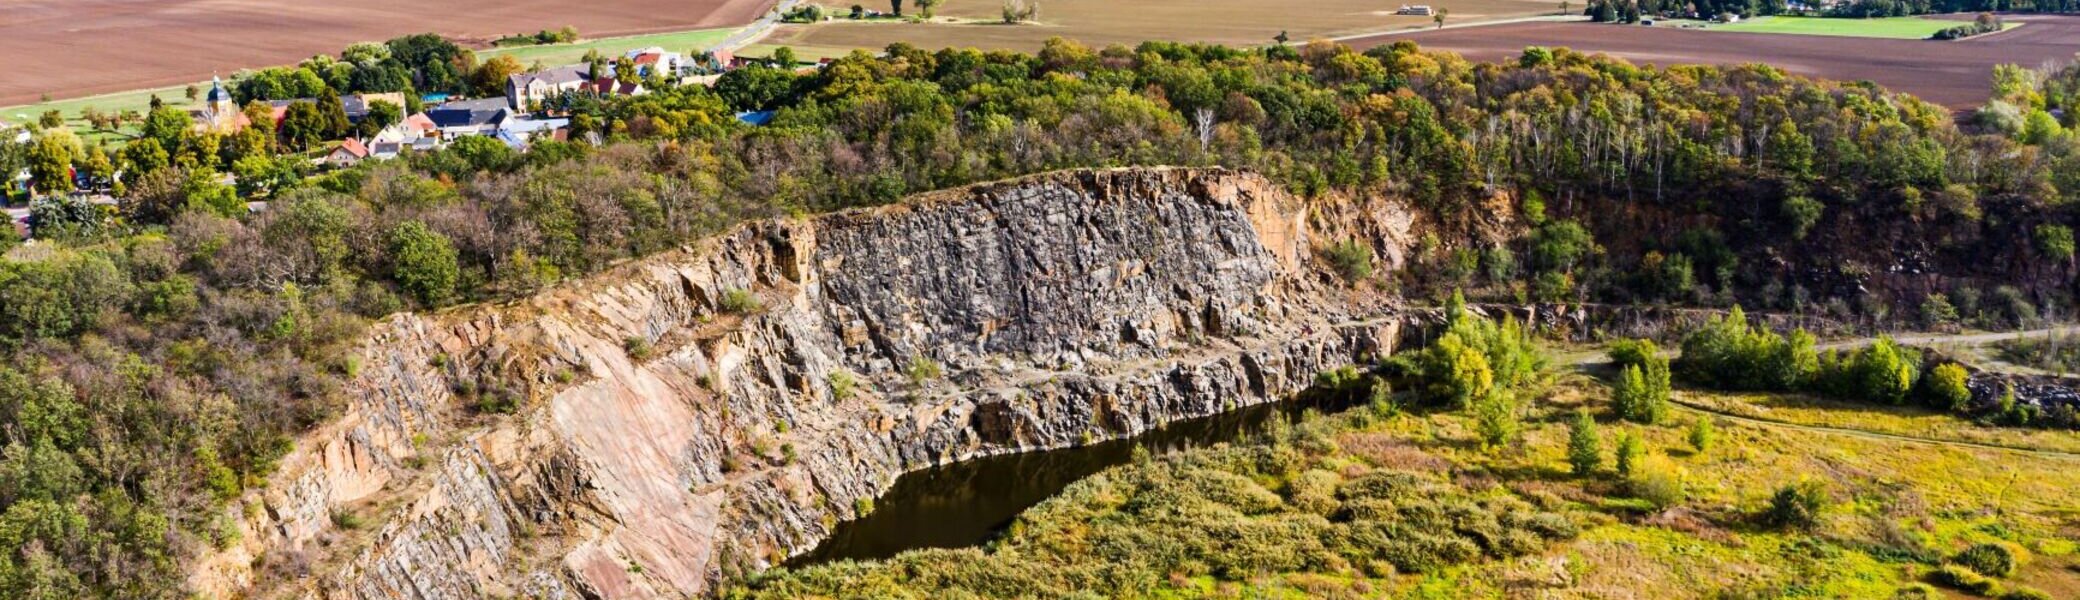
x=1867 y=434
x=1586 y=359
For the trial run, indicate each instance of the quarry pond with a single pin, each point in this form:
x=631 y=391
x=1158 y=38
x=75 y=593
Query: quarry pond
x=969 y=502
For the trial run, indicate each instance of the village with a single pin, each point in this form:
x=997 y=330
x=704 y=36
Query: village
x=535 y=107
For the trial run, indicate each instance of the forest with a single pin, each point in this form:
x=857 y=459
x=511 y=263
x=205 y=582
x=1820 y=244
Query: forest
x=161 y=354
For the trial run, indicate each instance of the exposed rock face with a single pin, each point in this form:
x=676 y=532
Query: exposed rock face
x=663 y=442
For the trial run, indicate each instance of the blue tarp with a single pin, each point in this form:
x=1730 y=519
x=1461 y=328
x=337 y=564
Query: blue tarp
x=756 y=118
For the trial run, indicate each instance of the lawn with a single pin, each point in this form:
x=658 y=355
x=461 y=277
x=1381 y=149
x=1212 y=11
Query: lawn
x=1906 y=28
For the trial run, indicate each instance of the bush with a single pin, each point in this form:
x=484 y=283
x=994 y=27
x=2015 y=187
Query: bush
x=1657 y=480
x=1797 y=506
x=1964 y=578
x=1702 y=434
x=923 y=370
x=739 y=301
x=2020 y=592
x=1729 y=354
x=1945 y=388
x=1351 y=259
x=842 y=385
x=1993 y=559
x=638 y=347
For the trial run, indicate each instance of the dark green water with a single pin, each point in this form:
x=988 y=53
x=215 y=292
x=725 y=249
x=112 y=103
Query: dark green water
x=968 y=503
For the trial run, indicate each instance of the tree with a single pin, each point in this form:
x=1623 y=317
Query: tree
x=925 y=7
x=1629 y=452
x=1640 y=394
x=1701 y=434
x=1439 y=17
x=1282 y=38
x=1584 y=445
x=784 y=56
x=896 y=6
x=490 y=77
x=303 y=125
x=423 y=262
x=50 y=161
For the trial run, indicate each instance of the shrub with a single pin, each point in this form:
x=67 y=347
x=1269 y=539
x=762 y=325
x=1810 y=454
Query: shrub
x=2020 y=592
x=1945 y=388
x=1964 y=578
x=1917 y=591
x=842 y=384
x=1584 y=445
x=923 y=370
x=863 y=507
x=1994 y=559
x=1657 y=480
x=739 y=301
x=1630 y=352
x=1797 y=506
x=1729 y=354
x=638 y=347
x=1701 y=434
x=1351 y=259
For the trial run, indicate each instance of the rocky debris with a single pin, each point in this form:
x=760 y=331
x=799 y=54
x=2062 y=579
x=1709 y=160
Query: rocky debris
x=1058 y=309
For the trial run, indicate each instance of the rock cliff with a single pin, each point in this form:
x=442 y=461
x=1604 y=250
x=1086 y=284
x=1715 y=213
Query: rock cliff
x=683 y=418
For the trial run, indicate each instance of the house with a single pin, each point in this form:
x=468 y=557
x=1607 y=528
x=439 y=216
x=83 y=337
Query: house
x=529 y=89
x=347 y=153
x=357 y=105
x=469 y=117
x=525 y=90
x=658 y=60
x=522 y=132
x=1419 y=10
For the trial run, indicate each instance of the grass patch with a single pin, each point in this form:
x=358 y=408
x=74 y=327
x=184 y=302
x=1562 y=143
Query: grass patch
x=1904 y=28
x=1909 y=421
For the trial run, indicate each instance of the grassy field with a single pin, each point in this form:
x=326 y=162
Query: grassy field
x=563 y=54
x=1906 y=28
x=1887 y=502
x=1101 y=22
x=549 y=55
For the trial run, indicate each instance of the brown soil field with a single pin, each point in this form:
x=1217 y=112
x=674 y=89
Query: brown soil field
x=72 y=48
x=1956 y=74
x=1102 y=22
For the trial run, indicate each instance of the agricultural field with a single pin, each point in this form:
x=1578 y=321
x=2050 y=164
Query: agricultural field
x=154 y=43
x=1903 y=28
x=975 y=23
x=1957 y=74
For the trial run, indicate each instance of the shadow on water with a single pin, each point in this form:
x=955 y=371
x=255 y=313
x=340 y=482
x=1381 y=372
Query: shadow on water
x=969 y=502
